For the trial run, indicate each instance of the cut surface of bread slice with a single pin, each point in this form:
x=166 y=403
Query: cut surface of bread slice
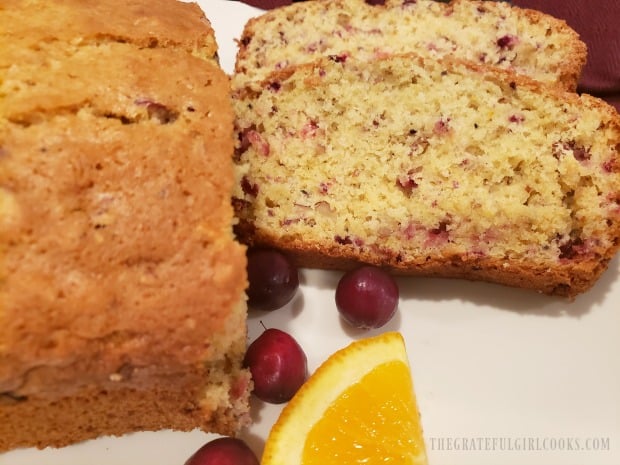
x=430 y=167
x=491 y=33
x=122 y=304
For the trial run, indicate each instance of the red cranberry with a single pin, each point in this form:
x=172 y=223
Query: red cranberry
x=273 y=279
x=278 y=365
x=508 y=41
x=249 y=187
x=223 y=451
x=367 y=297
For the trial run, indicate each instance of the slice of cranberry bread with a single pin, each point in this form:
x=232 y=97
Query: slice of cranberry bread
x=491 y=33
x=430 y=167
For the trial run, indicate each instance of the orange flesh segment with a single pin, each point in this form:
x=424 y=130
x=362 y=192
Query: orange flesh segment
x=352 y=432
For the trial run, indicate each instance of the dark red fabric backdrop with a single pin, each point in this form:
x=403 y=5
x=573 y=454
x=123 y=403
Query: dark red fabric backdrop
x=596 y=22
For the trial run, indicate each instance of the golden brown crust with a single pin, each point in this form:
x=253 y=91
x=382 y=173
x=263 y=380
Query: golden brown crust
x=568 y=280
x=91 y=411
x=158 y=23
x=116 y=224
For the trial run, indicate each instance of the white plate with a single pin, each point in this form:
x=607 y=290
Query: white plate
x=519 y=377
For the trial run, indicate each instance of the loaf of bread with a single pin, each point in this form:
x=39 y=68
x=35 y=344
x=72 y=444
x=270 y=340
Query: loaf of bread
x=491 y=33
x=430 y=167
x=122 y=303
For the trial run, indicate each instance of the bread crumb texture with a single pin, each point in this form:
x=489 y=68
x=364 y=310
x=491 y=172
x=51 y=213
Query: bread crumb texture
x=434 y=167
x=122 y=301
x=489 y=33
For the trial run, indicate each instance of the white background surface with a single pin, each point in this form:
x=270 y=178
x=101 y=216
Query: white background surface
x=488 y=362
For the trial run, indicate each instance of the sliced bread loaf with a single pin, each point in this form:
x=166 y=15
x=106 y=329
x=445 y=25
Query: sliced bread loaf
x=430 y=167
x=492 y=33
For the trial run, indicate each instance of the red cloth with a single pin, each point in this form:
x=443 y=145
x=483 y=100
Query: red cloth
x=596 y=23
x=594 y=20
x=267 y=4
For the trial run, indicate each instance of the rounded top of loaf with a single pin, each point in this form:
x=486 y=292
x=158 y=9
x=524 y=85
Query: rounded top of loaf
x=156 y=23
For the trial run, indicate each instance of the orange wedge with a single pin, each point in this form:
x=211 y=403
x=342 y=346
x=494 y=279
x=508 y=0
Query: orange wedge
x=359 y=407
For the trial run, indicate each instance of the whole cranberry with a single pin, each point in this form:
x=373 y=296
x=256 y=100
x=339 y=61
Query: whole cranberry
x=278 y=365
x=223 y=451
x=367 y=297
x=273 y=279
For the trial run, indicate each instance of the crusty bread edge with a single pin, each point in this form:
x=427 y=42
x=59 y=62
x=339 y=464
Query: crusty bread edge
x=92 y=412
x=566 y=280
